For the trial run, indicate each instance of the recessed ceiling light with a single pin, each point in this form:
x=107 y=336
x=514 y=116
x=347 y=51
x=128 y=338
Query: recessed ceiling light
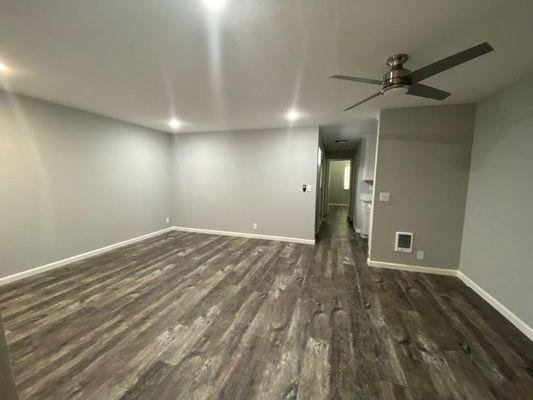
x=293 y=115
x=3 y=67
x=174 y=123
x=214 y=4
x=341 y=141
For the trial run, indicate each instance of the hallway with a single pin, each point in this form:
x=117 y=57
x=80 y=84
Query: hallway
x=336 y=223
x=420 y=336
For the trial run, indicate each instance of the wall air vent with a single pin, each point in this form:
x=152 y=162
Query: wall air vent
x=404 y=242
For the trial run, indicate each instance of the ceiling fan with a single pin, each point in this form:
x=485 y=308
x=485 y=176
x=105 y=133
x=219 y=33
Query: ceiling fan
x=400 y=80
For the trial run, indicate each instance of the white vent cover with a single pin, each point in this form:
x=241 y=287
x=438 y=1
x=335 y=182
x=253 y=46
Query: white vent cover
x=404 y=242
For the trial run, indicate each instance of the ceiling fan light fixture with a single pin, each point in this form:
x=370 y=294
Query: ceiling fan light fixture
x=395 y=90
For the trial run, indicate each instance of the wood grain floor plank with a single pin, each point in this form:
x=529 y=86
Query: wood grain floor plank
x=132 y=299
x=194 y=316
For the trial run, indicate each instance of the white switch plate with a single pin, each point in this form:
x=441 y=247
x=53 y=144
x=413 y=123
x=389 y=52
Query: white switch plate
x=167 y=220
x=384 y=196
x=254 y=226
x=420 y=255
x=309 y=188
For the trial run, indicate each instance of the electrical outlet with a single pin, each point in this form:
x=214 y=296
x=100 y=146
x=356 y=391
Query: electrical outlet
x=419 y=255
x=254 y=226
x=384 y=196
x=167 y=220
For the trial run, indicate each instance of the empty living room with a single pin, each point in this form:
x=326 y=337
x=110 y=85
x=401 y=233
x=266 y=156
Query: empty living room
x=266 y=199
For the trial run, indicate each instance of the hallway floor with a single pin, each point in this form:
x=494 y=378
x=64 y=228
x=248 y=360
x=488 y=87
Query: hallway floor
x=195 y=316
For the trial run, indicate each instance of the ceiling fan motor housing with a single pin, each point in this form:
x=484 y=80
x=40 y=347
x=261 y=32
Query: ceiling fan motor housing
x=395 y=80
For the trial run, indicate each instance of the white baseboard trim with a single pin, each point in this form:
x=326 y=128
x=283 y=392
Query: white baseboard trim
x=521 y=325
x=56 y=264
x=412 y=268
x=508 y=314
x=246 y=235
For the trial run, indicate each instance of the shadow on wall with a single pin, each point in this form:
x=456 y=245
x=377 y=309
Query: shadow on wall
x=511 y=111
x=499 y=207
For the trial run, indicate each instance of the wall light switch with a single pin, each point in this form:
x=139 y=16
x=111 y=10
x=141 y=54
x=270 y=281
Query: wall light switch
x=254 y=226
x=420 y=255
x=384 y=196
x=309 y=188
x=167 y=220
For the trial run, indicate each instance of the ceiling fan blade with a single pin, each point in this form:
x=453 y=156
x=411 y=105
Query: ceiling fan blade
x=356 y=79
x=417 y=89
x=450 y=62
x=363 y=101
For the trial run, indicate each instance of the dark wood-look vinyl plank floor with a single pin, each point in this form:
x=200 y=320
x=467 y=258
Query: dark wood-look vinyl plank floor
x=196 y=316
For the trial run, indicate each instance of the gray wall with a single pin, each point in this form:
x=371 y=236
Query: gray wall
x=423 y=161
x=337 y=194
x=74 y=181
x=497 y=251
x=7 y=384
x=229 y=180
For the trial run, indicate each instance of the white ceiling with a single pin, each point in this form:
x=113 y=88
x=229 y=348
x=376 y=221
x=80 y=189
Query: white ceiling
x=246 y=65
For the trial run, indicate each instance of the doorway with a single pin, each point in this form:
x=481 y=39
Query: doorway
x=338 y=190
x=339 y=183
x=336 y=193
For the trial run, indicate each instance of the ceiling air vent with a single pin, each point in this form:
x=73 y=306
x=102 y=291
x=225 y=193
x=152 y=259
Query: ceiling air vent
x=404 y=242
